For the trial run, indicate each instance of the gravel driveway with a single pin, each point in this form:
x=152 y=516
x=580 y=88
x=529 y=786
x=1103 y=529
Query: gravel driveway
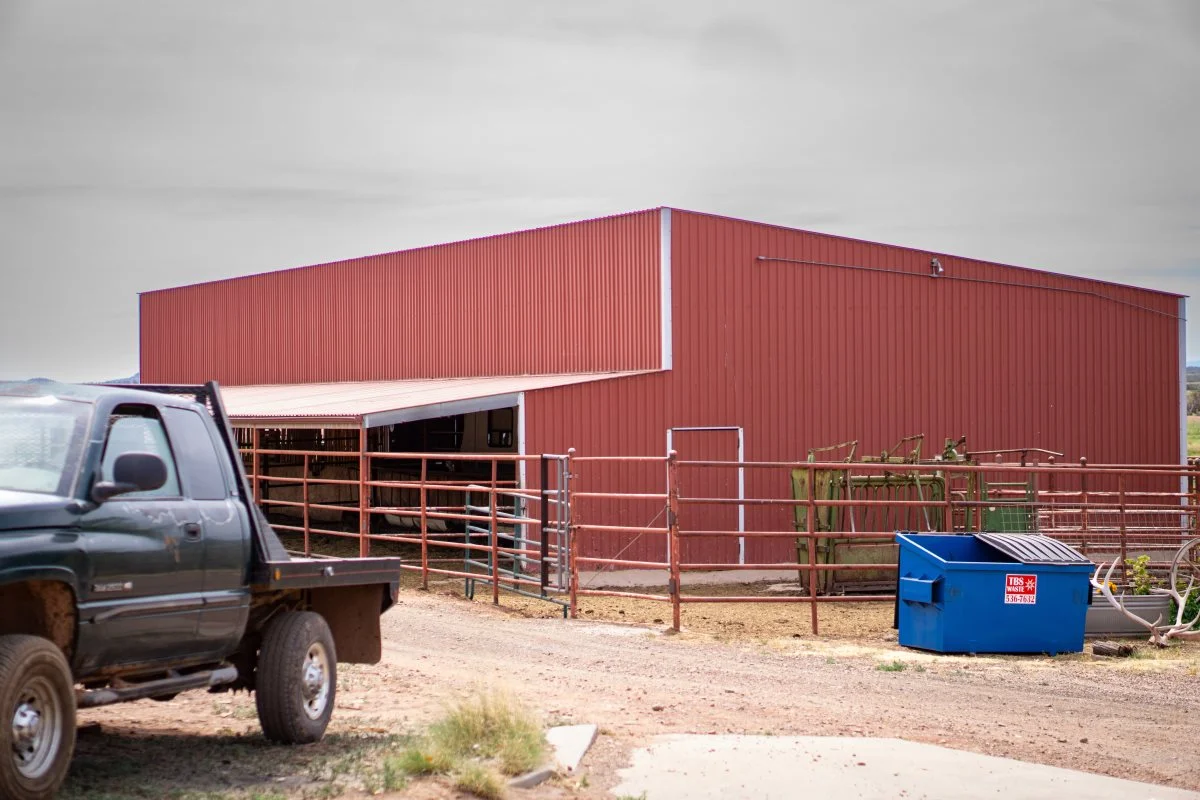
x=1132 y=718
x=1129 y=718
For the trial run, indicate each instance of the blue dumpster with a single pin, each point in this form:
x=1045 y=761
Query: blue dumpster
x=991 y=593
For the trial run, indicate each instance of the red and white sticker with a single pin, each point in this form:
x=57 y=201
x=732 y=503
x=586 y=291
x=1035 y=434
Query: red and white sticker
x=1020 y=589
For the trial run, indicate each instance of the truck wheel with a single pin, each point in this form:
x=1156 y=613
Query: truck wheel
x=296 y=681
x=37 y=717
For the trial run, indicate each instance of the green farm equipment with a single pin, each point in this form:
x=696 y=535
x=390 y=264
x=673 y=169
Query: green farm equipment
x=1008 y=507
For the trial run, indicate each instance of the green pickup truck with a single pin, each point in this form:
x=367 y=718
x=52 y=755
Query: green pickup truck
x=134 y=564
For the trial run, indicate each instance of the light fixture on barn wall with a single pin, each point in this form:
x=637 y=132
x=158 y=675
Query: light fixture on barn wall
x=935 y=268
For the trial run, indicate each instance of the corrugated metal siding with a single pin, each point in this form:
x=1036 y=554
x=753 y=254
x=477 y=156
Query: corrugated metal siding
x=581 y=297
x=627 y=417
x=804 y=356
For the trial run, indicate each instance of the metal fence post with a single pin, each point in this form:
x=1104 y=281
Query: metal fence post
x=364 y=496
x=1051 y=514
x=1121 y=500
x=812 y=548
x=424 y=526
x=255 y=464
x=673 y=556
x=544 y=521
x=307 y=545
x=572 y=541
x=1083 y=501
x=948 y=499
x=1194 y=492
x=495 y=540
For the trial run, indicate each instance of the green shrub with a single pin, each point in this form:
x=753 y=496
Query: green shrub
x=1140 y=579
x=1191 y=608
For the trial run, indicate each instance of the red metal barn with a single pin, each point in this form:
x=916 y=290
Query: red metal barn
x=603 y=335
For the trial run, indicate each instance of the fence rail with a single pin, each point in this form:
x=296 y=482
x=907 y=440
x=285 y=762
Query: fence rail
x=532 y=525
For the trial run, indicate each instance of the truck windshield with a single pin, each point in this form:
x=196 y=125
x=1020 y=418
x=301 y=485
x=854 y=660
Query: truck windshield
x=40 y=443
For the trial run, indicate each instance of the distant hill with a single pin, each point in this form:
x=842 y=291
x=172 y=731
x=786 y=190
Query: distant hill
x=134 y=378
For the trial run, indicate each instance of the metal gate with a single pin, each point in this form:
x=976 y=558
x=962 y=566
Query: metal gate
x=503 y=546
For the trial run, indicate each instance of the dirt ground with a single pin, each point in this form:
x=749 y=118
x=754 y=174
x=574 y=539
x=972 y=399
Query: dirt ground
x=740 y=669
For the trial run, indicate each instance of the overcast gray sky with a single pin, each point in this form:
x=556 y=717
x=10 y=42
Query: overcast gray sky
x=150 y=143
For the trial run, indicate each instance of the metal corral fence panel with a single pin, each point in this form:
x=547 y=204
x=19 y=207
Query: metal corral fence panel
x=540 y=531
x=508 y=534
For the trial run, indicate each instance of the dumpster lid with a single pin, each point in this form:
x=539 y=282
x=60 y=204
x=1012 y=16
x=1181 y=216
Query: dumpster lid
x=1032 y=548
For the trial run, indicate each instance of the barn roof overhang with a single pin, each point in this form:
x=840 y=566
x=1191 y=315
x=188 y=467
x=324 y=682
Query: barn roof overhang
x=371 y=404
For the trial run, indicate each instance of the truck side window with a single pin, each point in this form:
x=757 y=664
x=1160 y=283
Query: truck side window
x=129 y=432
x=201 y=470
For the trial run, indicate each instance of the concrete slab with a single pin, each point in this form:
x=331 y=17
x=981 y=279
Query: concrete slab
x=570 y=744
x=722 y=767
x=532 y=778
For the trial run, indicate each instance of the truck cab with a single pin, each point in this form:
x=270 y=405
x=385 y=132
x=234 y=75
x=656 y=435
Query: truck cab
x=133 y=564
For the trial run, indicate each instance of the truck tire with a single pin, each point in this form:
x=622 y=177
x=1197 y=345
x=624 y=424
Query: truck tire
x=37 y=723
x=295 y=683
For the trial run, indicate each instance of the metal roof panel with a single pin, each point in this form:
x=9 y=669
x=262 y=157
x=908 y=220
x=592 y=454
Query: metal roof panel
x=360 y=400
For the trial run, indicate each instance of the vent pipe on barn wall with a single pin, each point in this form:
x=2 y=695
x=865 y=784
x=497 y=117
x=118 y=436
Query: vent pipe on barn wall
x=664 y=284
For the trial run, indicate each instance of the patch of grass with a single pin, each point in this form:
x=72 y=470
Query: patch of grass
x=641 y=796
x=476 y=740
x=421 y=759
x=394 y=776
x=895 y=666
x=490 y=726
x=1193 y=436
x=479 y=780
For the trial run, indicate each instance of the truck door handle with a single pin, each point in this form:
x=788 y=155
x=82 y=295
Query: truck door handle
x=191 y=530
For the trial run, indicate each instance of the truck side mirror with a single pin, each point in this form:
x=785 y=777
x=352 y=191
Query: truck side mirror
x=132 y=472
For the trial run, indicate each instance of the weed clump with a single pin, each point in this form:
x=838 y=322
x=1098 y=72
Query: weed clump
x=474 y=742
x=479 y=781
